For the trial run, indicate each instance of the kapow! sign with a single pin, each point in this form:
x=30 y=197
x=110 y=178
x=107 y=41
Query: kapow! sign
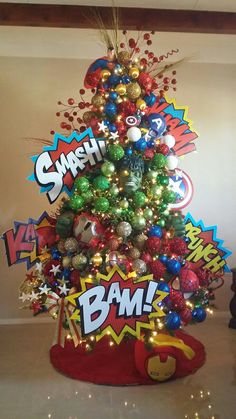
x=120 y=304
x=177 y=125
x=25 y=242
x=205 y=249
x=56 y=168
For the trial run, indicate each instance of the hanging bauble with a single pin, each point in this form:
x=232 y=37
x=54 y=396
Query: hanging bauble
x=113 y=243
x=121 y=89
x=124 y=229
x=113 y=96
x=153 y=245
x=173 y=266
x=157 y=123
x=159 y=161
x=146 y=257
x=178 y=246
x=188 y=282
x=163 y=286
x=97 y=259
x=124 y=204
x=163 y=149
x=114 y=79
x=126 y=79
x=139 y=199
x=110 y=109
x=66 y=261
x=163 y=180
x=115 y=152
x=123 y=57
x=177 y=302
x=116 y=211
x=155 y=231
x=134 y=134
x=198 y=314
x=76 y=202
x=133 y=91
x=140 y=240
x=87 y=116
x=82 y=184
x=98 y=100
x=87 y=196
x=161 y=222
x=134 y=253
x=172 y=162
x=163 y=258
x=114 y=190
x=157 y=269
x=79 y=261
x=141 y=104
x=141 y=145
x=138 y=222
x=148 y=213
x=139 y=266
x=172 y=321
x=101 y=183
x=150 y=99
x=186 y=316
x=108 y=168
x=101 y=204
x=169 y=140
x=105 y=74
x=134 y=72
x=168 y=196
x=152 y=175
x=123 y=248
x=71 y=245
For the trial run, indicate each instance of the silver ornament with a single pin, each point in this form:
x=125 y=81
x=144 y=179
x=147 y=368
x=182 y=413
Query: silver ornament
x=139 y=266
x=79 y=261
x=71 y=245
x=124 y=229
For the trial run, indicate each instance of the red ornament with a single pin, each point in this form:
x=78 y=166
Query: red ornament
x=186 y=316
x=188 y=280
x=146 y=257
x=165 y=246
x=92 y=79
x=163 y=149
x=157 y=269
x=178 y=246
x=203 y=277
x=146 y=81
x=75 y=280
x=126 y=108
x=153 y=245
x=149 y=153
x=177 y=300
x=113 y=243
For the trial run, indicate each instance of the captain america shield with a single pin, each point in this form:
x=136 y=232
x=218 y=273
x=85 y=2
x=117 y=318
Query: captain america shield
x=181 y=184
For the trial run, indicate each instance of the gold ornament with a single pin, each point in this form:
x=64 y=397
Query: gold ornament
x=133 y=91
x=97 y=259
x=105 y=74
x=79 y=261
x=123 y=57
x=134 y=72
x=134 y=253
x=87 y=116
x=66 y=262
x=141 y=104
x=71 y=245
x=140 y=240
x=98 y=100
x=121 y=89
x=161 y=371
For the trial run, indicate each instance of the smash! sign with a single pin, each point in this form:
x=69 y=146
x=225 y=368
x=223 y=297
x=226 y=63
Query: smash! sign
x=119 y=304
x=205 y=249
x=25 y=242
x=56 y=168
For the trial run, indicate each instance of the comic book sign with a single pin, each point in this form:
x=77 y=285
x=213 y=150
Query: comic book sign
x=177 y=125
x=26 y=241
x=56 y=168
x=205 y=249
x=119 y=304
x=182 y=185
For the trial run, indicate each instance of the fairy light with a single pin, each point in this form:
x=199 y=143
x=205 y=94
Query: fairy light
x=68 y=336
x=111 y=343
x=92 y=338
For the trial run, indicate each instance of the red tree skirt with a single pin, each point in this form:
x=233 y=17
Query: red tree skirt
x=116 y=365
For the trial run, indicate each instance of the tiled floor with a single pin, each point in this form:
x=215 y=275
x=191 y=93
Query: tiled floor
x=31 y=389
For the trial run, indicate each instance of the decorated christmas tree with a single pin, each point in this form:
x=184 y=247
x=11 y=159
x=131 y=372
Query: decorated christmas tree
x=111 y=264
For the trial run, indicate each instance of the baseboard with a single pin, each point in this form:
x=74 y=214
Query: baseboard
x=30 y=320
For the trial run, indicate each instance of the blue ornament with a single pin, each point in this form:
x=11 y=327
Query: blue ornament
x=140 y=145
x=55 y=254
x=198 y=314
x=128 y=151
x=66 y=273
x=150 y=99
x=186 y=239
x=112 y=128
x=172 y=321
x=157 y=123
x=106 y=122
x=106 y=86
x=173 y=266
x=163 y=259
x=110 y=109
x=163 y=286
x=113 y=95
x=156 y=231
x=114 y=79
x=125 y=79
x=151 y=143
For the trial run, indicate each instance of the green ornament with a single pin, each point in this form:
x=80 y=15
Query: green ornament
x=101 y=204
x=76 y=202
x=124 y=204
x=108 y=168
x=163 y=180
x=138 y=222
x=161 y=222
x=152 y=175
x=115 y=152
x=162 y=207
x=148 y=213
x=168 y=196
x=139 y=199
x=156 y=191
x=158 y=161
x=114 y=190
x=82 y=184
x=116 y=211
x=101 y=183
x=87 y=196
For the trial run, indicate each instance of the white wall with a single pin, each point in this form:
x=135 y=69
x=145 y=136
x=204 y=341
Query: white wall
x=30 y=88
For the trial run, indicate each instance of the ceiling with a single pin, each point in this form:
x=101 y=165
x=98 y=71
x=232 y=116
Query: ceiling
x=211 y=5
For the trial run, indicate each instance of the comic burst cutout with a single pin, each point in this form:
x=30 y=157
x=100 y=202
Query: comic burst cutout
x=120 y=304
x=181 y=184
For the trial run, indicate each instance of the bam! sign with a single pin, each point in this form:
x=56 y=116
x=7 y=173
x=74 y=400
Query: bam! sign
x=56 y=168
x=205 y=249
x=119 y=304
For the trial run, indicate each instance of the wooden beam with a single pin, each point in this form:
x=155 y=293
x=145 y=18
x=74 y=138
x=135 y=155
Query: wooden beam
x=68 y=16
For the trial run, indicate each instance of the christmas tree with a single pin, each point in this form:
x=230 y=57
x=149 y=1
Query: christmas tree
x=114 y=271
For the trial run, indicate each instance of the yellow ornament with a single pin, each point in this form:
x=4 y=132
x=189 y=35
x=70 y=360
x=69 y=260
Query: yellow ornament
x=141 y=104
x=97 y=259
x=121 y=89
x=123 y=57
x=161 y=371
x=66 y=262
x=134 y=72
x=98 y=100
x=105 y=74
x=133 y=91
x=87 y=116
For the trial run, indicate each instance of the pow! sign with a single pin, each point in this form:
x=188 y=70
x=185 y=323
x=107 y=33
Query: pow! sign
x=119 y=304
x=56 y=168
